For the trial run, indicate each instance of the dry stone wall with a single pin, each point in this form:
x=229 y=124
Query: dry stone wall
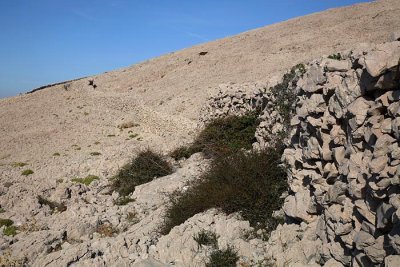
x=343 y=158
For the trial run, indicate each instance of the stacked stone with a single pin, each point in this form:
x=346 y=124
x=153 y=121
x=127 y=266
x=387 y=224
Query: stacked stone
x=344 y=157
x=235 y=100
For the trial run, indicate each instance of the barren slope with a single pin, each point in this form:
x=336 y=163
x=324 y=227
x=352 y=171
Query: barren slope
x=162 y=95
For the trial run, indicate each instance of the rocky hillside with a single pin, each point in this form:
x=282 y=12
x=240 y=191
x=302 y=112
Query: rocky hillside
x=342 y=203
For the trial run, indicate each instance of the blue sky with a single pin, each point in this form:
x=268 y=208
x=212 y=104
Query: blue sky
x=46 y=41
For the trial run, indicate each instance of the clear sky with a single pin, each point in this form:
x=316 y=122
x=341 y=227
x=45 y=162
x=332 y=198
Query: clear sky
x=47 y=41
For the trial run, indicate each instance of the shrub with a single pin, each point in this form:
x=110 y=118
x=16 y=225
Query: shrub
x=222 y=136
x=6 y=222
x=337 y=56
x=147 y=166
x=54 y=206
x=87 y=180
x=248 y=183
x=206 y=238
x=27 y=172
x=10 y=230
x=285 y=95
x=95 y=153
x=56 y=154
x=223 y=258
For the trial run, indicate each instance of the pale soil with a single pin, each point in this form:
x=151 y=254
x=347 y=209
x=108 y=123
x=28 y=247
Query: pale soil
x=163 y=95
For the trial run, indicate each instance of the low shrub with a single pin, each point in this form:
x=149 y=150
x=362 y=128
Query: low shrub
x=27 y=172
x=87 y=180
x=222 y=136
x=249 y=183
x=337 y=56
x=147 y=166
x=54 y=206
x=95 y=153
x=223 y=258
x=206 y=238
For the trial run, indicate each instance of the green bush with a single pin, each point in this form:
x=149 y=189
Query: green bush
x=142 y=169
x=222 y=136
x=54 y=206
x=87 y=180
x=206 y=238
x=249 y=183
x=223 y=258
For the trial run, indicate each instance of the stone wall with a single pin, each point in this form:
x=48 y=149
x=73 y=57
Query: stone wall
x=344 y=155
x=343 y=158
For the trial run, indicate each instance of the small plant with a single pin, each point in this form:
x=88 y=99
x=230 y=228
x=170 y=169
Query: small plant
x=6 y=222
x=126 y=125
x=97 y=142
x=106 y=229
x=2 y=210
x=206 y=238
x=223 y=258
x=10 y=230
x=111 y=135
x=54 y=206
x=122 y=201
x=87 y=180
x=56 y=154
x=337 y=56
x=19 y=164
x=85 y=113
x=27 y=172
x=95 y=153
x=147 y=166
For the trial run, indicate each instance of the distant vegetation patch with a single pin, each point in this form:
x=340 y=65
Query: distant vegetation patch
x=27 y=172
x=9 y=229
x=87 y=180
x=19 y=164
x=142 y=169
